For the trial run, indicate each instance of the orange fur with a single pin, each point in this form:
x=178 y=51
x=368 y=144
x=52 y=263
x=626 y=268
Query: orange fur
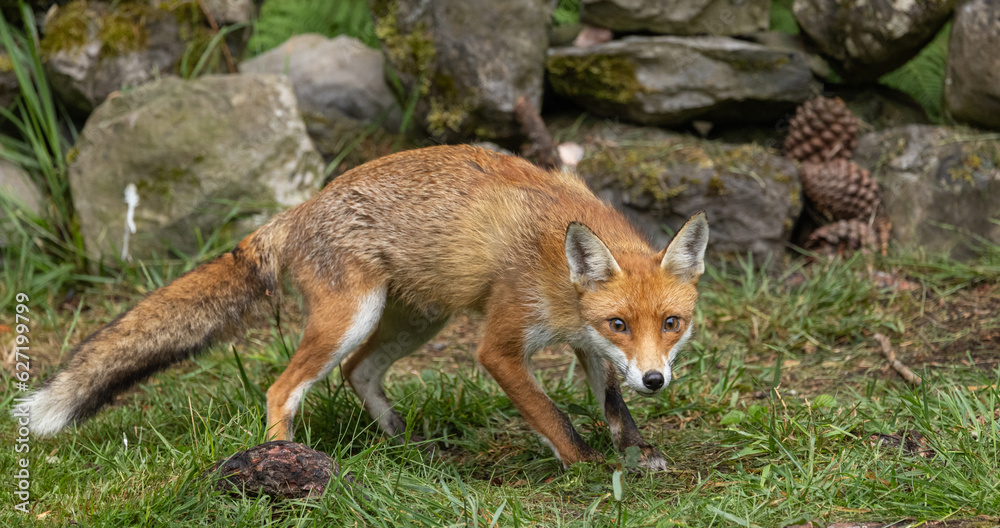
x=392 y=247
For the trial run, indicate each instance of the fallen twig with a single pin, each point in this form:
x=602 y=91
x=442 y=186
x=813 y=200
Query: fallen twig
x=542 y=148
x=230 y=63
x=899 y=367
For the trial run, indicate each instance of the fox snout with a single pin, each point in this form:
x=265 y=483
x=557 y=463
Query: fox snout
x=647 y=382
x=653 y=380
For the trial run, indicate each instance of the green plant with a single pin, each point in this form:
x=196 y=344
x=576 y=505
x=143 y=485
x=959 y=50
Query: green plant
x=922 y=78
x=782 y=17
x=205 y=54
x=567 y=13
x=281 y=19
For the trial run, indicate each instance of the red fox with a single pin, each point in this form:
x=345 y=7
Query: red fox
x=384 y=254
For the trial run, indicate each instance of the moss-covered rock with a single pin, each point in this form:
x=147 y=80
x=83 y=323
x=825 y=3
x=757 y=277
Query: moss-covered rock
x=751 y=194
x=940 y=185
x=194 y=150
x=92 y=49
x=672 y=80
x=603 y=77
x=465 y=63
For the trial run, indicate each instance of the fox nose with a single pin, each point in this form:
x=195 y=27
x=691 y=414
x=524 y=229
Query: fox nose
x=653 y=380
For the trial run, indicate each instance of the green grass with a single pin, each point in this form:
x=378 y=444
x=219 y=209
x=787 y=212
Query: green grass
x=770 y=422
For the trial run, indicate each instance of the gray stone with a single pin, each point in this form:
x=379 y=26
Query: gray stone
x=226 y=12
x=940 y=185
x=193 y=149
x=16 y=191
x=672 y=80
x=335 y=80
x=751 y=194
x=868 y=38
x=468 y=61
x=679 y=17
x=972 y=85
x=92 y=50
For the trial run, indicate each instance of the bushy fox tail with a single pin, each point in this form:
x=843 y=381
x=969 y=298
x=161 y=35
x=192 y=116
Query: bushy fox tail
x=211 y=302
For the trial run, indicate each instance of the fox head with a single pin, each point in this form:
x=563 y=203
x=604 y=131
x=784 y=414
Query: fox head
x=637 y=310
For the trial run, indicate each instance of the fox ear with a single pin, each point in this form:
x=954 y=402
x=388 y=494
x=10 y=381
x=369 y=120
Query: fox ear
x=589 y=258
x=685 y=255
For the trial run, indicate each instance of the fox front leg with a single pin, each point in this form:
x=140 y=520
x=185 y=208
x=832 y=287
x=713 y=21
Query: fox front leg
x=503 y=357
x=603 y=381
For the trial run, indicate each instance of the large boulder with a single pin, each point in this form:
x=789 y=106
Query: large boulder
x=868 y=38
x=339 y=83
x=940 y=185
x=672 y=80
x=972 y=85
x=751 y=194
x=193 y=150
x=679 y=17
x=466 y=61
x=93 y=49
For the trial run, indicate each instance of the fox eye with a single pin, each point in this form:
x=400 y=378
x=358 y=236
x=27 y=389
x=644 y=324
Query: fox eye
x=671 y=324
x=618 y=325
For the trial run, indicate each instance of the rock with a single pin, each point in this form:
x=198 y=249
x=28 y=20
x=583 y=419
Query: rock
x=882 y=107
x=469 y=61
x=679 y=17
x=228 y=12
x=972 y=85
x=590 y=36
x=672 y=80
x=15 y=183
x=192 y=149
x=339 y=83
x=868 y=38
x=279 y=469
x=751 y=194
x=18 y=191
x=92 y=49
x=940 y=185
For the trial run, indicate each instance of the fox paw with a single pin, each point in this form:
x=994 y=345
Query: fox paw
x=650 y=458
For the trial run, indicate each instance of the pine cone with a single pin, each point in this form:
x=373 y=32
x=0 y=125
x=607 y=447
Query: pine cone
x=840 y=189
x=842 y=238
x=822 y=130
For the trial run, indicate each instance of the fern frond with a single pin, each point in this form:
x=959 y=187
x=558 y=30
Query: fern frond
x=922 y=78
x=281 y=19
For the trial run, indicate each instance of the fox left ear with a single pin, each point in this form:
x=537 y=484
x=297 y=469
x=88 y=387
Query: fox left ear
x=589 y=258
x=685 y=255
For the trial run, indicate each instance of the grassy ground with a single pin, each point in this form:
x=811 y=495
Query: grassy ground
x=784 y=411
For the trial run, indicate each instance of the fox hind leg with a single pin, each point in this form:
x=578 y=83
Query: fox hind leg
x=339 y=322
x=402 y=330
